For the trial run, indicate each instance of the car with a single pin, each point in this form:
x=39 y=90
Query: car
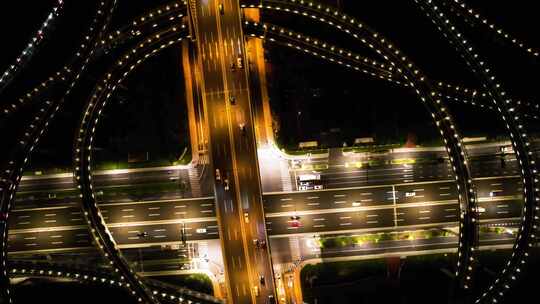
x=243 y=129
x=271 y=300
x=218 y=175
x=507 y=149
x=3 y=217
x=221 y=9
x=296 y=164
x=480 y=209
x=495 y=193
x=256 y=290
x=318 y=187
x=239 y=62
x=52 y=195
x=259 y=243
x=410 y=194
x=356 y=204
x=232 y=100
x=201 y=230
x=226 y=184
x=142 y=234
x=246 y=217
x=262 y=280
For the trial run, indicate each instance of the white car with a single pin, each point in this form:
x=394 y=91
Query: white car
x=318 y=187
x=507 y=149
x=480 y=209
x=218 y=175
x=226 y=184
x=495 y=193
x=410 y=194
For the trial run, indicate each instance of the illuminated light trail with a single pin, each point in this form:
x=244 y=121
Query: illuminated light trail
x=166 y=292
x=477 y=19
x=12 y=171
x=32 y=47
x=139 y=26
x=318 y=48
x=526 y=235
x=83 y=149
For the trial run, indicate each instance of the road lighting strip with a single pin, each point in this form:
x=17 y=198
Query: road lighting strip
x=476 y=19
x=83 y=150
x=112 y=41
x=12 y=176
x=318 y=48
x=166 y=292
x=526 y=235
x=32 y=47
x=13 y=170
x=450 y=89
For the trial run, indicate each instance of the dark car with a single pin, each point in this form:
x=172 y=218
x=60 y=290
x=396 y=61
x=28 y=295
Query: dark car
x=221 y=9
x=239 y=62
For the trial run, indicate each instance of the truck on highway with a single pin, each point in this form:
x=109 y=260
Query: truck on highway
x=309 y=182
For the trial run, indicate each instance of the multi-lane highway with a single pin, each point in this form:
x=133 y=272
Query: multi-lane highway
x=146 y=207
x=233 y=151
x=123 y=185
x=349 y=169
x=329 y=211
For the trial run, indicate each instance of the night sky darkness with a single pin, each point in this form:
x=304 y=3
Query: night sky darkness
x=330 y=97
x=149 y=113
